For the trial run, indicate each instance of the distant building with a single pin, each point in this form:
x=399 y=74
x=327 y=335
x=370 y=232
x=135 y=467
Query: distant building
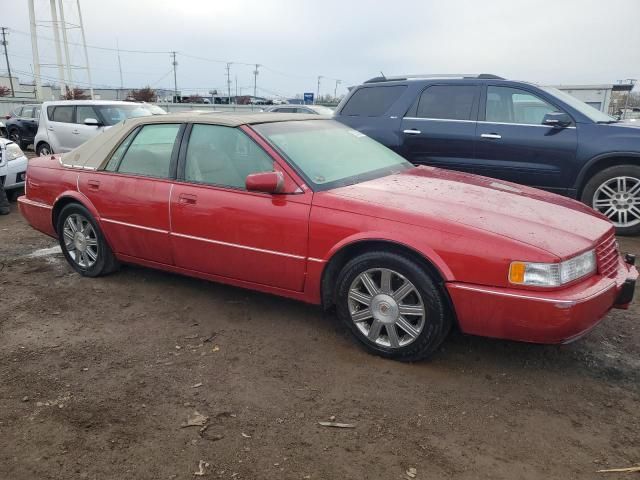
x=598 y=96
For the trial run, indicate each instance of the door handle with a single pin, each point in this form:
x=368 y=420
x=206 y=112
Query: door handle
x=50 y=128
x=491 y=135
x=94 y=185
x=412 y=131
x=187 y=198
x=75 y=132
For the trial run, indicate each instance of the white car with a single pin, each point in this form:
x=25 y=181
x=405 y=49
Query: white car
x=13 y=167
x=67 y=124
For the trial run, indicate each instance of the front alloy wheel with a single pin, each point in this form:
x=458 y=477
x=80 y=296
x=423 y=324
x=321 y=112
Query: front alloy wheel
x=392 y=305
x=615 y=192
x=386 y=307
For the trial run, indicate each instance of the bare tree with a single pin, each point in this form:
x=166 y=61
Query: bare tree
x=146 y=94
x=4 y=91
x=75 y=94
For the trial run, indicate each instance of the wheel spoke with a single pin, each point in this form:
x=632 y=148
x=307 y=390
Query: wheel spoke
x=368 y=283
x=70 y=245
x=604 y=202
x=621 y=184
x=92 y=242
x=403 y=291
x=67 y=233
x=392 y=334
x=374 y=330
x=635 y=211
x=91 y=254
x=411 y=310
x=635 y=189
x=610 y=212
x=622 y=217
x=72 y=224
x=405 y=325
x=361 y=315
x=360 y=297
x=385 y=281
x=607 y=190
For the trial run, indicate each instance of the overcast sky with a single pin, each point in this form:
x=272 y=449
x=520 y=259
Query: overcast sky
x=547 y=41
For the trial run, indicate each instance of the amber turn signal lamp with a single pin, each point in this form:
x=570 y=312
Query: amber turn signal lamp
x=516 y=272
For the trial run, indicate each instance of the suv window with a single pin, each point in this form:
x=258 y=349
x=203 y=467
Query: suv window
x=83 y=112
x=512 y=105
x=150 y=151
x=223 y=156
x=61 y=114
x=447 y=102
x=372 y=101
x=27 y=112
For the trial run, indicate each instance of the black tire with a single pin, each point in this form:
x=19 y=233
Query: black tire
x=12 y=195
x=41 y=146
x=14 y=136
x=600 y=178
x=105 y=262
x=437 y=320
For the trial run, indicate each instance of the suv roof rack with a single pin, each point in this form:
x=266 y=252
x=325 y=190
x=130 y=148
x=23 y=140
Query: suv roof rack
x=482 y=76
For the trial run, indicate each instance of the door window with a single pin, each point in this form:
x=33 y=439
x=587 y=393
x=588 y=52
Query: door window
x=27 y=112
x=62 y=114
x=447 y=102
x=150 y=151
x=372 y=101
x=36 y=113
x=223 y=156
x=512 y=105
x=83 y=112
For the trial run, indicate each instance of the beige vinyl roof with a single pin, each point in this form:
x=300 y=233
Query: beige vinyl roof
x=94 y=153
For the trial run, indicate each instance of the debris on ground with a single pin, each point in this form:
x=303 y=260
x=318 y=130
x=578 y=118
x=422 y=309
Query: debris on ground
x=411 y=472
x=197 y=385
x=25 y=399
x=201 y=469
x=195 y=420
x=210 y=337
x=215 y=349
x=337 y=425
x=245 y=435
x=621 y=470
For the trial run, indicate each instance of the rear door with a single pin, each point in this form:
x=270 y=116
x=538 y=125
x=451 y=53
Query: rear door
x=440 y=128
x=132 y=193
x=28 y=122
x=220 y=228
x=514 y=145
x=60 y=127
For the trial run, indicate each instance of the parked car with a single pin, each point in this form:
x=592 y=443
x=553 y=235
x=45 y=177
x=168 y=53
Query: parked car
x=515 y=131
x=307 y=208
x=309 y=109
x=13 y=167
x=67 y=124
x=22 y=124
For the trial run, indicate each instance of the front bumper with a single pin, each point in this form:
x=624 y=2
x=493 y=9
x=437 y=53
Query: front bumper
x=558 y=316
x=15 y=173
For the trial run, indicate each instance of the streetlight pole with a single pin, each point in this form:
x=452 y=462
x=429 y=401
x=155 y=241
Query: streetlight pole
x=255 y=81
x=318 y=90
x=335 y=91
x=175 y=76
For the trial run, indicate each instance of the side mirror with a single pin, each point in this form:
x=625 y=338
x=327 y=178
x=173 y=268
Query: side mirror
x=556 y=119
x=92 y=122
x=266 y=182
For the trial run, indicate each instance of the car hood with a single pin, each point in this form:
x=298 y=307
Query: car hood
x=444 y=199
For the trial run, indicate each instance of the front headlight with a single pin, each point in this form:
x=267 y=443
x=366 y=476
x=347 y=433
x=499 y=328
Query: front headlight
x=553 y=274
x=13 y=151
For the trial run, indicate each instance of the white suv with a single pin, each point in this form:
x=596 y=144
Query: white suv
x=13 y=167
x=67 y=124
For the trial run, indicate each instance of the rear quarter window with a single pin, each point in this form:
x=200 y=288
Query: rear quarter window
x=372 y=101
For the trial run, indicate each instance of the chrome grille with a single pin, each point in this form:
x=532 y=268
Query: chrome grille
x=607 y=255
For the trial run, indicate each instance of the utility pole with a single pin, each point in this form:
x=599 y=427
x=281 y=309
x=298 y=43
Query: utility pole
x=318 y=91
x=236 y=88
x=86 y=54
x=119 y=67
x=66 y=46
x=6 y=56
x=34 y=51
x=56 y=38
x=255 y=81
x=335 y=90
x=229 y=83
x=175 y=77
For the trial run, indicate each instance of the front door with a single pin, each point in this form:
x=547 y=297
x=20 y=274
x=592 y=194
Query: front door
x=440 y=127
x=514 y=145
x=220 y=228
x=132 y=193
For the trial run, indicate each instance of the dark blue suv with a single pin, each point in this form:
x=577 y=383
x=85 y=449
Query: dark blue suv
x=515 y=131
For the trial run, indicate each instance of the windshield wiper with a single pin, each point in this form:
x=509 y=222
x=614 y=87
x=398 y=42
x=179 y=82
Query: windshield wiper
x=607 y=122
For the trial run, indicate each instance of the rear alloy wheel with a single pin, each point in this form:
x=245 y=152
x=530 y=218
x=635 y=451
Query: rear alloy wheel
x=392 y=306
x=14 y=136
x=82 y=242
x=43 y=150
x=615 y=192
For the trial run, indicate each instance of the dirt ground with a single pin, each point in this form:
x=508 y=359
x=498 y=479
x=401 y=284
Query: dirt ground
x=98 y=375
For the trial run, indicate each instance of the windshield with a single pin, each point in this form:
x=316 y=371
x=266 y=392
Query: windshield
x=587 y=110
x=113 y=114
x=328 y=154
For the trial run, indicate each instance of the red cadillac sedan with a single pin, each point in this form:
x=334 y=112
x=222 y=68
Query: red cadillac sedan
x=307 y=208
